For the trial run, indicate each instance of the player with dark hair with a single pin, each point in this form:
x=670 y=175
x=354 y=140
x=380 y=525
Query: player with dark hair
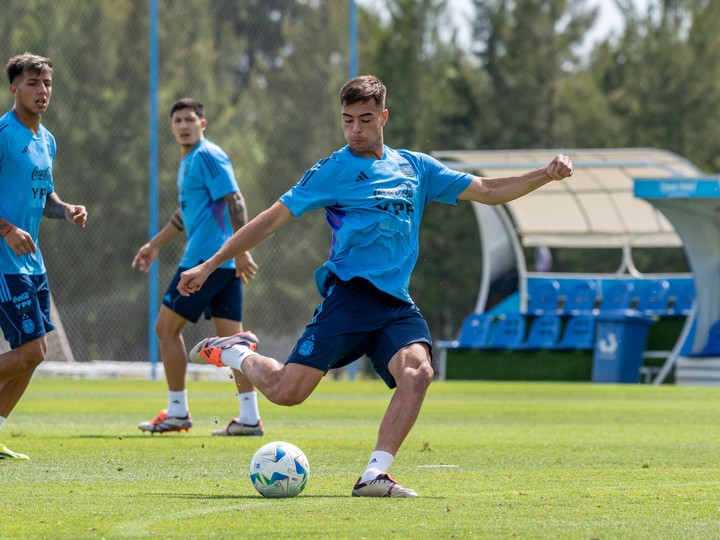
x=373 y=197
x=211 y=208
x=27 y=193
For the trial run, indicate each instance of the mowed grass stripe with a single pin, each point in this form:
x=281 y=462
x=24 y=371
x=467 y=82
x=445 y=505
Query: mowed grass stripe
x=500 y=460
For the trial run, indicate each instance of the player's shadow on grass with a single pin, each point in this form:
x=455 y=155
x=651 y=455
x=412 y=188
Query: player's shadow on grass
x=255 y=497
x=135 y=436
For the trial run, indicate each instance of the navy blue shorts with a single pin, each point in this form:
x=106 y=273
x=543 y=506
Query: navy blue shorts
x=24 y=308
x=358 y=319
x=220 y=296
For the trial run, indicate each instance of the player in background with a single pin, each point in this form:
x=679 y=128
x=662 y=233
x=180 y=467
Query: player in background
x=373 y=198
x=211 y=208
x=27 y=193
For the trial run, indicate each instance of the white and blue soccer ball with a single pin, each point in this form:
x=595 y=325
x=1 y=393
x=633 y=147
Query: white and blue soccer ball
x=279 y=469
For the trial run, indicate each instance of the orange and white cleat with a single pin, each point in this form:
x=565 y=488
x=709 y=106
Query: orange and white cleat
x=210 y=349
x=163 y=423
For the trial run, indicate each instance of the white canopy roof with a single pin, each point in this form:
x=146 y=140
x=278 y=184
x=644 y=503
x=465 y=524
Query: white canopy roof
x=594 y=208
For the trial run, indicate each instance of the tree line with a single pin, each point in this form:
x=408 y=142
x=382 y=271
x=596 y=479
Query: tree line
x=269 y=72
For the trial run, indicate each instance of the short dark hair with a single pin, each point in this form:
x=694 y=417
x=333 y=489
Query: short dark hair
x=21 y=63
x=187 y=103
x=361 y=89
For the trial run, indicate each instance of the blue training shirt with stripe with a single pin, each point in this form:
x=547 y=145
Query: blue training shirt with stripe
x=26 y=180
x=374 y=208
x=204 y=177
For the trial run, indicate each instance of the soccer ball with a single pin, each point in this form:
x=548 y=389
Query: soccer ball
x=279 y=469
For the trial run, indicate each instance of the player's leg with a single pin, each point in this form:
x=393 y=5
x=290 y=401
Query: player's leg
x=176 y=417
x=248 y=422
x=25 y=320
x=22 y=360
x=168 y=328
x=26 y=358
x=402 y=357
x=412 y=371
x=13 y=389
x=10 y=393
x=174 y=315
x=284 y=384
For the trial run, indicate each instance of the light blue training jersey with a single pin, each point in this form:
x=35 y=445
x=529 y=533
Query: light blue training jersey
x=374 y=208
x=26 y=180
x=204 y=177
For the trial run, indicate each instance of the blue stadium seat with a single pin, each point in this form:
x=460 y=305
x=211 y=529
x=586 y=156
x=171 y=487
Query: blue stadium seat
x=509 y=332
x=544 y=332
x=581 y=298
x=653 y=298
x=619 y=296
x=684 y=300
x=579 y=333
x=544 y=297
x=476 y=330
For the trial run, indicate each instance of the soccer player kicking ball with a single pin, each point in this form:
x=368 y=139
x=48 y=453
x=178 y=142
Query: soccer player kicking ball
x=374 y=197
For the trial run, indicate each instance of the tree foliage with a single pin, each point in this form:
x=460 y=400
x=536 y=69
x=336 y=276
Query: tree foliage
x=269 y=72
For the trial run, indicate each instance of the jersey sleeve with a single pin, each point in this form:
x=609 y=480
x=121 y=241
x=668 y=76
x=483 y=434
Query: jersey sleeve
x=52 y=148
x=218 y=173
x=3 y=141
x=3 y=146
x=316 y=189
x=443 y=184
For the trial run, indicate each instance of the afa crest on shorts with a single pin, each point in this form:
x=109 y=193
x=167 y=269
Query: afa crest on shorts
x=307 y=347
x=28 y=326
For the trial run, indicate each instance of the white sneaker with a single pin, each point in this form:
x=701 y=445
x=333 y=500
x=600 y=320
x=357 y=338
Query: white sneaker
x=235 y=428
x=383 y=485
x=163 y=423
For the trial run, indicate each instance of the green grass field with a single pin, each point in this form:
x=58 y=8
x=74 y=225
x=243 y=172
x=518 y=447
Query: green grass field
x=490 y=460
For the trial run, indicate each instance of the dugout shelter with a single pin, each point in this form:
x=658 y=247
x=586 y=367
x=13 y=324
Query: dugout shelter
x=692 y=205
x=617 y=199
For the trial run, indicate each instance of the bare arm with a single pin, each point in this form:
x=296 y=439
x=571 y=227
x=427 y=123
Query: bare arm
x=236 y=209
x=19 y=241
x=245 y=267
x=507 y=188
x=5 y=227
x=22 y=243
x=261 y=227
x=149 y=251
x=57 y=209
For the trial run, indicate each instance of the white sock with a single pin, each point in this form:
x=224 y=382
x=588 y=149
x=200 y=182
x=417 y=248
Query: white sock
x=177 y=404
x=249 y=412
x=2 y=421
x=379 y=463
x=234 y=356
